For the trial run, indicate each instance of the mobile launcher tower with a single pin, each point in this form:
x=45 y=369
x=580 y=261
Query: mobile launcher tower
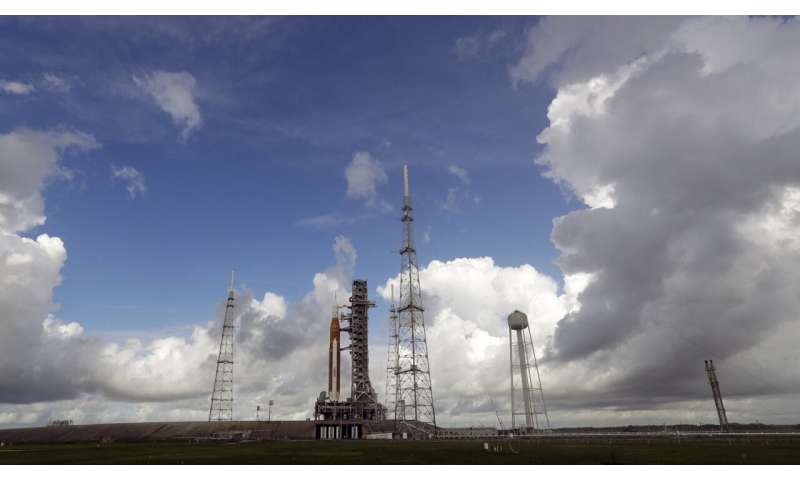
x=528 y=410
x=342 y=418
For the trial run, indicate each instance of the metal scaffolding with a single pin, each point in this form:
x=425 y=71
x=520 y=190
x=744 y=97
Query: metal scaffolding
x=413 y=389
x=712 y=380
x=222 y=395
x=361 y=390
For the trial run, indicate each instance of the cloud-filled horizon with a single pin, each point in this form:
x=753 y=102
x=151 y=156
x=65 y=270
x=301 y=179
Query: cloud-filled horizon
x=637 y=196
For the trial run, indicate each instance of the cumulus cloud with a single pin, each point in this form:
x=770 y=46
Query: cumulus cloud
x=57 y=328
x=682 y=136
x=364 y=174
x=173 y=92
x=573 y=48
x=27 y=159
x=132 y=178
x=466 y=304
x=16 y=88
x=52 y=368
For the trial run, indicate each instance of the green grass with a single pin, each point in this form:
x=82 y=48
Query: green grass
x=553 y=451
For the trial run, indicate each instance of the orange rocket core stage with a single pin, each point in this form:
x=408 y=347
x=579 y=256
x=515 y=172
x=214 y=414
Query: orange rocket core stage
x=334 y=358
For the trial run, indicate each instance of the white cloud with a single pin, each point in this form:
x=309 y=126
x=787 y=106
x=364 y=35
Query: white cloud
x=364 y=174
x=56 y=83
x=467 y=47
x=466 y=303
x=459 y=172
x=329 y=220
x=496 y=36
x=452 y=202
x=173 y=92
x=16 y=88
x=693 y=255
x=474 y=46
x=132 y=178
x=574 y=49
x=51 y=368
x=57 y=328
x=457 y=196
x=27 y=159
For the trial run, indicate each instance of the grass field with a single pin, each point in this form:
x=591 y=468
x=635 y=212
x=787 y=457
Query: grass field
x=595 y=451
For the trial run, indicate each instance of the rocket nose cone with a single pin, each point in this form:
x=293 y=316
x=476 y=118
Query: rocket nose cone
x=334 y=326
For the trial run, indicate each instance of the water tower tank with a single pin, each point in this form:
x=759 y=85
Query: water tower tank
x=517 y=320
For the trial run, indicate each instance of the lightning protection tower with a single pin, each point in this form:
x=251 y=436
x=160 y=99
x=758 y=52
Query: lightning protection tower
x=712 y=380
x=528 y=410
x=222 y=396
x=413 y=389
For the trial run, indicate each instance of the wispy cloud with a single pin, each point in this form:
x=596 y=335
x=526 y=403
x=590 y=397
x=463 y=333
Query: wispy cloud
x=364 y=173
x=459 y=172
x=473 y=46
x=173 y=92
x=132 y=178
x=329 y=220
x=16 y=88
x=457 y=196
x=56 y=83
x=467 y=47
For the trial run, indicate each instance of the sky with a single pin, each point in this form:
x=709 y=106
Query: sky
x=633 y=184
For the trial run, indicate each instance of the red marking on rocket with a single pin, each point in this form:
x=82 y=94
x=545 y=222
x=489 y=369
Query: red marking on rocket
x=334 y=357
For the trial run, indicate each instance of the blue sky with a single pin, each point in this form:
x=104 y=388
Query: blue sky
x=166 y=151
x=285 y=104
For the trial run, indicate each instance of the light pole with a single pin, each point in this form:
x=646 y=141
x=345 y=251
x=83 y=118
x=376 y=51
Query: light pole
x=269 y=411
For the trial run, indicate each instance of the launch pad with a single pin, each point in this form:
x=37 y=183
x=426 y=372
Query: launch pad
x=342 y=418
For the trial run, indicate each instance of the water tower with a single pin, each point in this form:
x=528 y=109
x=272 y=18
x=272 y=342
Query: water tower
x=528 y=411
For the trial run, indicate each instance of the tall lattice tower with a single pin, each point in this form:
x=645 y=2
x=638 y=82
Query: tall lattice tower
x=712 y=380
x=361 y=389
x=413 y=390
x=391 y=357
x=222 y=397
x=528 y=410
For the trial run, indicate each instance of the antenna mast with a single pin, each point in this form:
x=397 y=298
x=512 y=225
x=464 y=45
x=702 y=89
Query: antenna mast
x=222 y=396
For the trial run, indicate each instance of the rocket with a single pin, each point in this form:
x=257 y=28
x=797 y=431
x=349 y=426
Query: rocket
x=334 y=357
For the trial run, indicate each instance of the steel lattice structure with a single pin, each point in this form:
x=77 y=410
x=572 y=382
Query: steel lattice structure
x=361 y=390
x=527 y=395
x=222 y=396
x=391 y=356
x=413 y=389
x=712 y=380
